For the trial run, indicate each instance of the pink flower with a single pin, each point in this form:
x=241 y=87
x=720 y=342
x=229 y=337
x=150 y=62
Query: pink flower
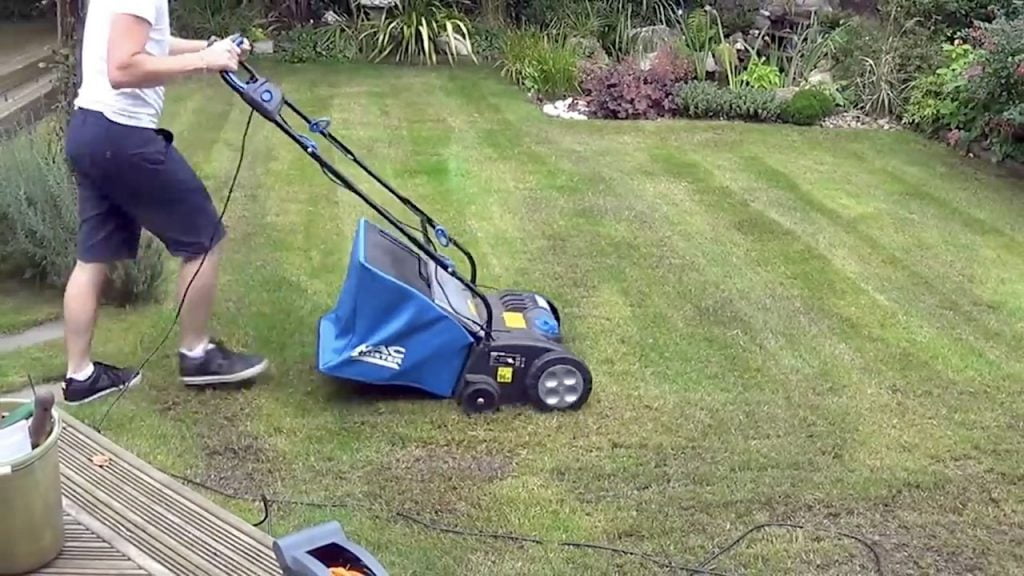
x=953 y=137
x=1020 y=70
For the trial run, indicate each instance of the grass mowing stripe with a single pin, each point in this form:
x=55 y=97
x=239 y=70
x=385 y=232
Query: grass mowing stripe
x=837 y=491
x=691 y=470
x=897 y=282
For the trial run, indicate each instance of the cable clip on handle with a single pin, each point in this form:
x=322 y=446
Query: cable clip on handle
x=262 y=94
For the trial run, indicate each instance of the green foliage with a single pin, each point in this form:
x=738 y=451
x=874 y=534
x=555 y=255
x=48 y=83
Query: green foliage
x=760 y=74
x=541 y=63
x=609 y=22
x=488 y=40
x=413 y=30
x=139 y=280
x=978 y=92
x=877 y=62
x=703 y=99
x=38 y=219
x=995 y=89
x=338 y=42
x=945 y=16
x=939 y=100
x=708 y=100
x=807 y=107
x=205 y=18
x=754 y=104
x=37 y=207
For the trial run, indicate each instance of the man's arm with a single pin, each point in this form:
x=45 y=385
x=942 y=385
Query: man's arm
x=130 y=66
x=186 y=46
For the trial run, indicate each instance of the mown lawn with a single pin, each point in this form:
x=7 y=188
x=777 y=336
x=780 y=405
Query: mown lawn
x=785 y=324
x=23 y=306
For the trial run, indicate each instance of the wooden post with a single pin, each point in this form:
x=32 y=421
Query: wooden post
x=69 y=26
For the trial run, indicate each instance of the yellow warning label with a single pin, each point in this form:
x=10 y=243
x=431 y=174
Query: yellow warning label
x=514 y=319
x=504 y=374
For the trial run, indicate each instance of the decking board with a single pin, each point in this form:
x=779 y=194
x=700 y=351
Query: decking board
x=126 y=518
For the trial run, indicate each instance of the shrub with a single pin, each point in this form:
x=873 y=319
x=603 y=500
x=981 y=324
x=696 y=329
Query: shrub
x=708 y=100
x=332 y=42
x=205 y=18
x=703 y=100
x=761 y=74
x=753 y=104
x=38 y=219
x=808 y=106
x=979 y=91
x=627 y=90
x=415 y=28
x=139 y=280
x=939 y=100
x=37 y=207
x=877 y=62
x=542 y=64
x=995 y=90
x=950 y=15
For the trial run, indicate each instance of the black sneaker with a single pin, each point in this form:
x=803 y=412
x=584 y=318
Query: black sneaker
x=104 y=380
x=219 y=365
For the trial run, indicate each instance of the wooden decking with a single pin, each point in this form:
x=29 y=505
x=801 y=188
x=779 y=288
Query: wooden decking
x=124 y=517
x=26 y=75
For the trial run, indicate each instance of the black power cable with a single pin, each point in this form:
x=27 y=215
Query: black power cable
x=702 y=568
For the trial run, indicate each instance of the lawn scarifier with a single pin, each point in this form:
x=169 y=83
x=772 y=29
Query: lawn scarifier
x=412 y=319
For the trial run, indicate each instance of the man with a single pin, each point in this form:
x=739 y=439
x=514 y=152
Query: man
x=130 y=176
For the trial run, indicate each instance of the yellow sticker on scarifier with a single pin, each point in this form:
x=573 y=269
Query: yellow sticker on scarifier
x=504 y=374
x=514 y=319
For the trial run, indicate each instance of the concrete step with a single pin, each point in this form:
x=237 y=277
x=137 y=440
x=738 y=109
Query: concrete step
x=27 y=102
x=27 y=65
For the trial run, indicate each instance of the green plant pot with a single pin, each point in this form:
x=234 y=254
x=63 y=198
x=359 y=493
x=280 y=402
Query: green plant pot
x=31 y=519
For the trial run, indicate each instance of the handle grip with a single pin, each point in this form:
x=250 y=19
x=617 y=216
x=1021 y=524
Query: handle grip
x=232 y=78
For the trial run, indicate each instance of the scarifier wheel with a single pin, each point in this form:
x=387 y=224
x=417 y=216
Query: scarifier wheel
x=558 y=381
x=479 y=394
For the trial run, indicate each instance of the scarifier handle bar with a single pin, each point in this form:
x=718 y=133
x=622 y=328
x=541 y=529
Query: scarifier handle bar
x=269 y=101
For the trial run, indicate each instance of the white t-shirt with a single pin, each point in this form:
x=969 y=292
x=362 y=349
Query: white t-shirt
x=131 y=106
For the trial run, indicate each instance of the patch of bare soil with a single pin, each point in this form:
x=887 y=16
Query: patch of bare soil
x=234 y=458
x=437 y=479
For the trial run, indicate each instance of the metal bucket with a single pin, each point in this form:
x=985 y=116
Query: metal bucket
x=31 y=518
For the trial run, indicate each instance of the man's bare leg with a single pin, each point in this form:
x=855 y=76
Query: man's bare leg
x=202 y=362
x=198 y=306
x=81 y=308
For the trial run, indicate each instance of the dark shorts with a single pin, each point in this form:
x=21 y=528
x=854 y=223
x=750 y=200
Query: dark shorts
x=131 y=178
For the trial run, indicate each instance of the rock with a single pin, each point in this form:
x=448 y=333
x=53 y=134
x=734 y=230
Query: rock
x=651 y=38
x=461 y=46
x=263 y=47
x=331 y=17
x=819 y=78
x=567 y=108
x=590 y=48
x=785 y=94
x=856 y=120
x=709 y=63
